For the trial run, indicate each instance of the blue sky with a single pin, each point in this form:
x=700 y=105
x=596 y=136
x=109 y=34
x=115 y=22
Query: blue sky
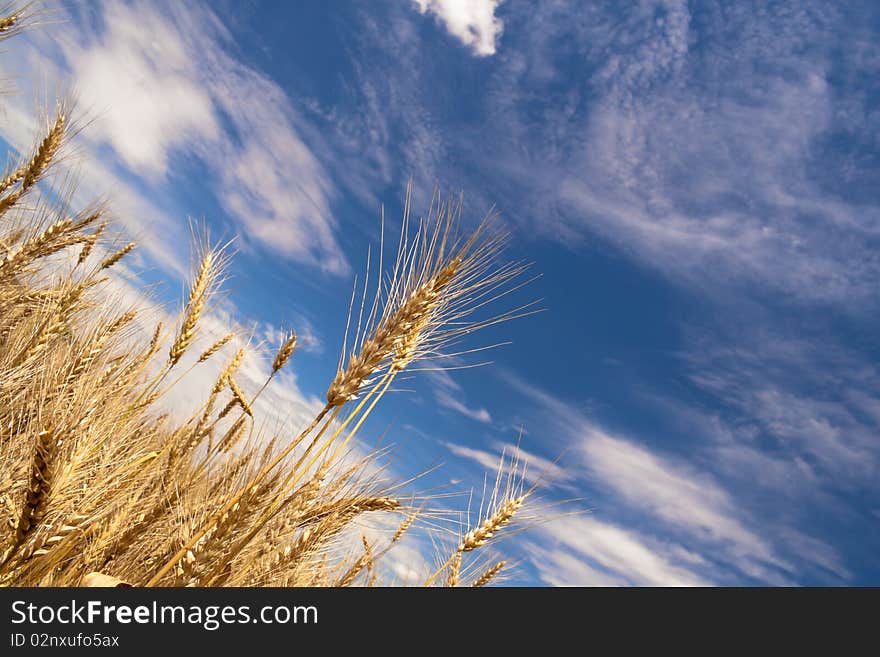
x=696 y=182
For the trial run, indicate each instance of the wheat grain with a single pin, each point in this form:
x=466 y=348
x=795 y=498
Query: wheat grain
x=404 y=527
x=489 y=575
x=239 y=396
x=119 y=255
x=33 y=170
x=195 y=305
x=86 y=251
x=45 y=152
x=232 y=435
x=284 y=353
x=97 y=346
x=503 y=514
x=454 y=570
x=38 y=491
x=214 y=348
x=12 y=178
x=364 y=561
x=51 y=240
x=8 y=22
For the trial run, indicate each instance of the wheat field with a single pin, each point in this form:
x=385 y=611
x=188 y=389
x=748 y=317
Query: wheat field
x=101 y=486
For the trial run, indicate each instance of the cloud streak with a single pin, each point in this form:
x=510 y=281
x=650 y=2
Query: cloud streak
x=645 y=491
x=595 y=553
x=450 y=395
x=534 y=468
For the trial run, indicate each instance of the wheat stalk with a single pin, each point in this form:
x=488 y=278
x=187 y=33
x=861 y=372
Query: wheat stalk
x=454 y=570
x=489 y=575
x=97 y=346
x=52 y=325
x=49 y=241
x=12 y=178
x=404 y=527
x=505 y=501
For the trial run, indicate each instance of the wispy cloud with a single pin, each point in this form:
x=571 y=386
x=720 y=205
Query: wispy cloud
x=595 y=553
x=163 y=83
x=479 y=414
x=810 y=399
x=706 y=167
x=139 y=78
x=725 y=176
x=449 y=394
x=534 y=468
x=677 y=495
x=647 y=489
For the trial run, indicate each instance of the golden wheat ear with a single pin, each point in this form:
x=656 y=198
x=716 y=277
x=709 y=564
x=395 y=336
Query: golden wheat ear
x=115 y=257
x=8 y=23
x=211 y=264
x=284 y=352
x=214 y=348
x=507 y=498
x=489 y=575
x=439 y=280
x=37 y=494
x=365 y=561
x=17 y=183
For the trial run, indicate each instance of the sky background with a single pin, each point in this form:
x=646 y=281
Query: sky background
x=697 y=182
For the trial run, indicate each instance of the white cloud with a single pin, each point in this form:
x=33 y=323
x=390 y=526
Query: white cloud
x=560 y=567
x=473 y=22
x=159 y=234
x=486 y=459
x=160 y=83
x=663 y=173
x=819 y=553
x=141 y=83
